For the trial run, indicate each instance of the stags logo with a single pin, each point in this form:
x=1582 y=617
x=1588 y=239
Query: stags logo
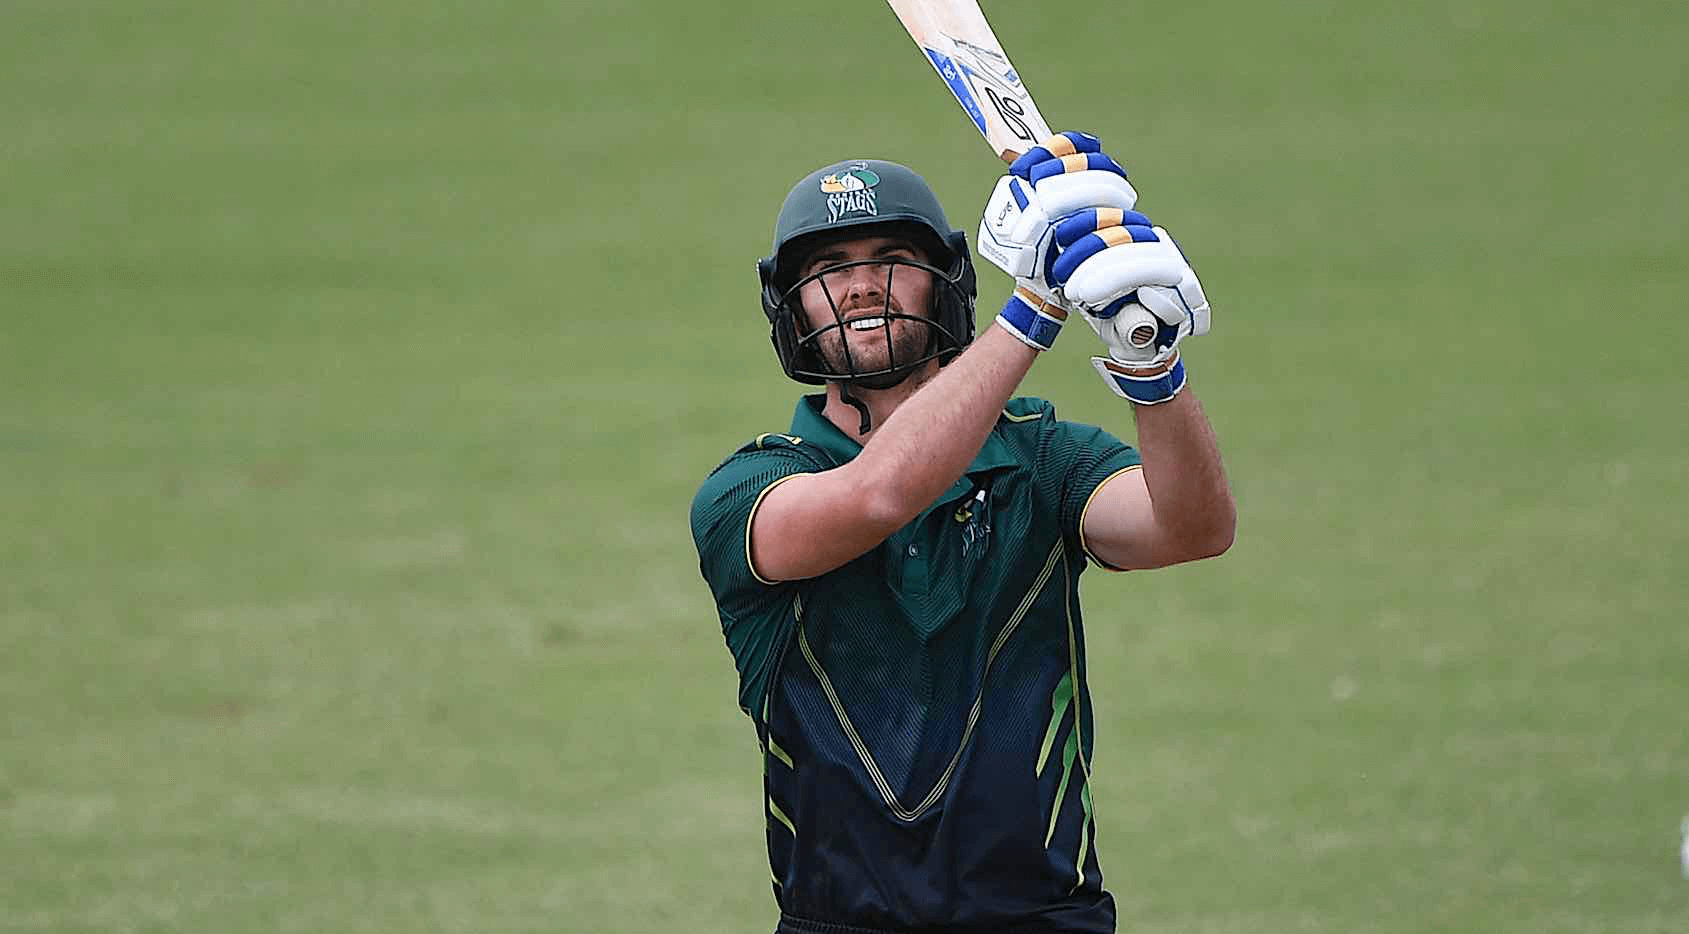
x=851 y=191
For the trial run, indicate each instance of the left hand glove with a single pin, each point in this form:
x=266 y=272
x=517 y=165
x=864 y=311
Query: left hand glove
x=1135 y=288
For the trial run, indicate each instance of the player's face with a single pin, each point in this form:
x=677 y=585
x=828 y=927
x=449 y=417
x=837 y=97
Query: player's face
x=862 y=295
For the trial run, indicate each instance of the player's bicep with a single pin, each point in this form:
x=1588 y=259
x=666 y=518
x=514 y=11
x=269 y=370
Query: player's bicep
x=721 y=514
x=1118 y=525
x=808 y=524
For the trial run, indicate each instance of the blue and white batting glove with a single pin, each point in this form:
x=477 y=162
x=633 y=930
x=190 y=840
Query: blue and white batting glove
x=1134 y=287
x=1065 y=173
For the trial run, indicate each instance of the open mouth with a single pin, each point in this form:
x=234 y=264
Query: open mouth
x=866 y=324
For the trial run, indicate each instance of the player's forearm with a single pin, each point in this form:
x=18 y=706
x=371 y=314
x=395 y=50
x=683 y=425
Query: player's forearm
x=933 y=436
x=1192 y=501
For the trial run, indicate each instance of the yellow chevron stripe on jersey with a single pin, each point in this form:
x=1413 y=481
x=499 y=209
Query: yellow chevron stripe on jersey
x=780 y=816
x=1058 y=554
x=1079 y=737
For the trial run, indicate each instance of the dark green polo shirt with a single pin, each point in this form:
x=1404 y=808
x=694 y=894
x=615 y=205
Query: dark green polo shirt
x=924 y=707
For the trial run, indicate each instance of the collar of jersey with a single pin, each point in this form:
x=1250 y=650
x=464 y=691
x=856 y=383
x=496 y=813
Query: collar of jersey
x=809 y=424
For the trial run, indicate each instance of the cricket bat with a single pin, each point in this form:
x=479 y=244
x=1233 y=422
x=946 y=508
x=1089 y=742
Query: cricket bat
x=961 y=46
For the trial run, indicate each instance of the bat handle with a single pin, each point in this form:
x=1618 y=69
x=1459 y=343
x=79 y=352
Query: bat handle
x=1137 y=326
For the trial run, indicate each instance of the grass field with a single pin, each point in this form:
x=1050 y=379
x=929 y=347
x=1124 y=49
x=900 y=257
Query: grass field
x=358 y=362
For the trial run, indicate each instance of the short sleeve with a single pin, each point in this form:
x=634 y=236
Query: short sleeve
x=1085 y=457
x=756 y=615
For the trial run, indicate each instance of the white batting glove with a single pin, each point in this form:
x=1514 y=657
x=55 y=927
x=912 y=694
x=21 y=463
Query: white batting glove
x=1135 y=288
x=1066 y=173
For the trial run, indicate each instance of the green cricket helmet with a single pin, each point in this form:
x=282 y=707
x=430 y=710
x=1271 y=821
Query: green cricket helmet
x=863 y=198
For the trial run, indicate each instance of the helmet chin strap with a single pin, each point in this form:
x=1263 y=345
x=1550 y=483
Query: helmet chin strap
x=861 y=408
x=885 y=381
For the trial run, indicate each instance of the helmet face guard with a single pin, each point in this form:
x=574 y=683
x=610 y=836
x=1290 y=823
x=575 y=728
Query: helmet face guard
x=864 y=198
x=801 y=336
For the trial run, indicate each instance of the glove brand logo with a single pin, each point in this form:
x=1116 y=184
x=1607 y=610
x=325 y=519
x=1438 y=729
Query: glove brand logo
x=851 y=191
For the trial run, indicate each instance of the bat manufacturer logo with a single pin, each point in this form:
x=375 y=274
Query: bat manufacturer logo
x=1012 y=112
x=851 y=191
x=989 y=70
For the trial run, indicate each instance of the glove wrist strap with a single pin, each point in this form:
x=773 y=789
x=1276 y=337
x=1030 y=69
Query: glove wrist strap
x=1143 y=385
x=1032 y=319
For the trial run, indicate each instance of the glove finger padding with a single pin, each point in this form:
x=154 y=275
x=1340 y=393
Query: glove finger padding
x=1067 y=173
x=1089 y=245
x=1074 y=227
x=1115 y=271
x=1065 y=193
x=1014 y=230
x=1065 y=143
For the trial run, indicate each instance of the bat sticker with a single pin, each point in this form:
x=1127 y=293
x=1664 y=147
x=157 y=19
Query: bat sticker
x=958 y=86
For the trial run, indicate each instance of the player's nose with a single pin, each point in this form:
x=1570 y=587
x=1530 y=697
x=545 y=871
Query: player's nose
x=867 y=279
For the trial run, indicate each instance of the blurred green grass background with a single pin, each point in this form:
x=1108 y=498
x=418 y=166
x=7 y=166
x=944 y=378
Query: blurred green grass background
x=358 y=361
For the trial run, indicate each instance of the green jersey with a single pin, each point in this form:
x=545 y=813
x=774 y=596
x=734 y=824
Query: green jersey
x=923 y=708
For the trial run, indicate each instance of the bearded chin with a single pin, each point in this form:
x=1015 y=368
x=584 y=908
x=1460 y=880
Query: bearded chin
x=881 y=382
x=911 y=346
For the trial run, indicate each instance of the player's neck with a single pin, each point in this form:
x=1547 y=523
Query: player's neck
x=880 y=402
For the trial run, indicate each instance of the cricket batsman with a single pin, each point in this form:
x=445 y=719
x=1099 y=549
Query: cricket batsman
x=897 y=573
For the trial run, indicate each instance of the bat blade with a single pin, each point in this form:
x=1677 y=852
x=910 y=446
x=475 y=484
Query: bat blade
x=961 y=47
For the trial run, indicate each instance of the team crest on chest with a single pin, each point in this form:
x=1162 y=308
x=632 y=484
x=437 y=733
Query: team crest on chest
x=971 y=517
x=851 y=192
